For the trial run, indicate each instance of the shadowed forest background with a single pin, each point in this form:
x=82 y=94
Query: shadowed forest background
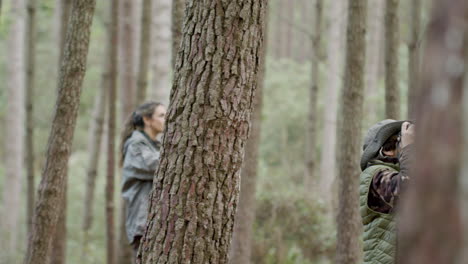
x=296 y=198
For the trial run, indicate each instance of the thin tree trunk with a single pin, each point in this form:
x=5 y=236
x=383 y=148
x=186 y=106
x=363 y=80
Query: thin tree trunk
x=125 y=254
x=311 y=153
x=178 y=7
x=194 y=199
x=276 y=30
x=392 y=91
x=438 y=164
x=161 y=58
x=349 y=220
x=14 y=140
x=145 y=51
x=414 y=50
x=53 y=179
x=29 y=139
x=112 y=89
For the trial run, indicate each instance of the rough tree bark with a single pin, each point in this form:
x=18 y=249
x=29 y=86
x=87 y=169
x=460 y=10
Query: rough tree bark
x=161 y=58
x=349 y=220
x=414 y=51
x=145 y=51
x=196 y=187
x=112 y=49
x=438 y=165
x=14 y=139
x=178 y=7
x=73 y=68
x=392 y=91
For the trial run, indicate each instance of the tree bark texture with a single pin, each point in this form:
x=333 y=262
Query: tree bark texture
x=59 y=147
x=392 y=91
x=438 y=165
x=14 y=139
x=29 y=138
x=161 y=58
x=113 y=30
x=335 y=54
x=311 y=148
x=178 y=7
x=414 y=55
x=196 y=187
x=145 y=51
x=349 y=220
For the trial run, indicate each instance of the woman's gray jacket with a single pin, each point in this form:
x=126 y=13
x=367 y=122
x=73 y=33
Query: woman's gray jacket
x=141 y=158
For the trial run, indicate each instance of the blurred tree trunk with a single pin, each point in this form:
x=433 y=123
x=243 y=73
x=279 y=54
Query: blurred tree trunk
x=59 y=243
x=29 y=139
x=112 y=49
x=178 y=7
x=161 y=58
x=392 y=91
x=125 y=254
x=414 y=57
x=277 y=29
x=374 y=56
x=311 y=146
x=145 y=51
x=194 y=200
x=289 y=23
x=440 y=122
x=349 y=220
x=15 y=118
x=53 y=180
x=335 y=54
x=128 y=42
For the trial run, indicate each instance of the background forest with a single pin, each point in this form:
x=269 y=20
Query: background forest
x=295 y=209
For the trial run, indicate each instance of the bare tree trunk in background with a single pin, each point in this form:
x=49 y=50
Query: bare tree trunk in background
x=145 y=51
x=125 y=253
x=59 y=243
x=276 y=29
x=392 y=91
x=349 y=220
x=112 y=49
x=29 y=139
x=178 y=7
x=438 y=165
x=290 y=35
x=311 y=146
x=335 y=54
x=14 y=141
x=195 y=225
x=161 y=58
x=53 y=182
x=414 y=55
x=374 y=56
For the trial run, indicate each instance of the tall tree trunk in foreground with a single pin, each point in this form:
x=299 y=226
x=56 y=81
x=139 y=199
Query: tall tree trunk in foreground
x=59 y=147
x=311 y=153
x=414 y=57
x=434 y=189
x=113 y=30
x=178 y=7
x=145 y=51
x=161 y=58
x=392 y=91
x=29 y=139
x=14 y=140
x=196 y=188
x=349 y=220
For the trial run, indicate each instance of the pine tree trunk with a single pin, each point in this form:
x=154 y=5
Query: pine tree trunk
x=414 y=50
x=392 y=91
x=276 y=29
x=178 y=7
x=53 y=179
x=196 y=187
x=125 y=254
x=335 y=55
x=161 y=58
x=29 y=139
x=349 y=220
x=112 y=90
x=14 y=140
x=145 y=51
x=311 y=153
x=375 y=15
x=437 y=166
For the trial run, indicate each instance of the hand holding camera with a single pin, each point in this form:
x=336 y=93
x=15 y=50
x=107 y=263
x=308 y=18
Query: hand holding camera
x=407 y=134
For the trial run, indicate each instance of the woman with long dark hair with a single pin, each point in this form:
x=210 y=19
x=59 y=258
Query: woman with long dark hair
x=140 y=152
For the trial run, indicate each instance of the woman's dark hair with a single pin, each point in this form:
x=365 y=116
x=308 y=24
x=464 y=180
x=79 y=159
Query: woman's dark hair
x=135 y=121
